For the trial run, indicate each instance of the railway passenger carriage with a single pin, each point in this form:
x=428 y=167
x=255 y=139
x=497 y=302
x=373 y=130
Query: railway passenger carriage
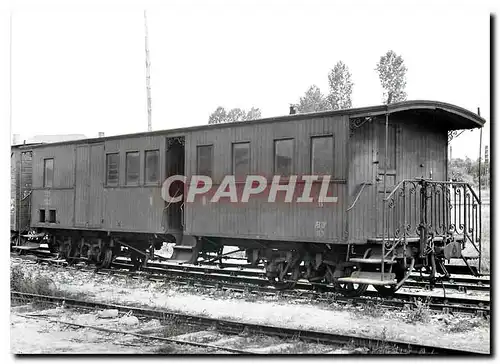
x=387 y=165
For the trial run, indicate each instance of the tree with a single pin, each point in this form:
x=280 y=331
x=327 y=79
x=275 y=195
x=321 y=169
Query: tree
x=340 y=83
x=313 y=101
x=392 y=74
x=467 y=170
x=218 y=116
x=253 y=114
x=221 y=116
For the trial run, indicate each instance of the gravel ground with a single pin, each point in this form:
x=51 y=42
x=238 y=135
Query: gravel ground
x=422 y=327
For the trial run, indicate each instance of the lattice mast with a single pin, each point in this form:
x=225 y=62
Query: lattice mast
x=148 y=78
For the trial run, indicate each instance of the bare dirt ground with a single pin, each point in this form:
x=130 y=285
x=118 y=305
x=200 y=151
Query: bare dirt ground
x=422 y=326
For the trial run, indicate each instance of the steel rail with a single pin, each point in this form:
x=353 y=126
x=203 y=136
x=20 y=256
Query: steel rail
x=236 y=327
x=143 y=336
x=211 y=277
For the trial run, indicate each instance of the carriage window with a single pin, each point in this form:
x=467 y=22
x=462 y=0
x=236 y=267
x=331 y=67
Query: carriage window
x=112 y=162
x=52 y=216
x=322 y=155
x=151 y=165
x=48 y=172
x=132 y=168
x=283 y=157
x=42 y=215
x=241 y=159
x=204 y=160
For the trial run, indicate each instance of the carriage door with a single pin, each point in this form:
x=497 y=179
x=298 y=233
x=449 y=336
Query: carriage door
x=391 y=176
x=89 y=182
x=174 y=212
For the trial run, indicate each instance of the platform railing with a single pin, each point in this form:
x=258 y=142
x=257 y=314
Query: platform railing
x=425 y=210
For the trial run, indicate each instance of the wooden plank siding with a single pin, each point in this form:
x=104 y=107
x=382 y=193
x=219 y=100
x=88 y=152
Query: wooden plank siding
x=60 y=196
x=139 y=207
x=259 y=218
x=82 y=179
x=14 y=189
x=420 y=147
x=363 y=156
x=20 y=187
x=81 y=199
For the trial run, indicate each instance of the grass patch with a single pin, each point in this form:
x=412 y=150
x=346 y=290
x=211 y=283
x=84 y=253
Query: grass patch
x=371 y=309
x=419 y=313
x=465 y=324
x=32 y=282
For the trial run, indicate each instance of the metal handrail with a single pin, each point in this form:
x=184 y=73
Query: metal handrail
x=434 y=211
x=363 y=185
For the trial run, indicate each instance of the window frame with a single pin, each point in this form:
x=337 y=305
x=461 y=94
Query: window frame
x=233 y=164
x=117 y=170
x=45 y=172
x=40 y=211
x=138 y=183
x=292 y=165
x=311 y=150
x=55 y=216
x=211 y=159
x=158 y=170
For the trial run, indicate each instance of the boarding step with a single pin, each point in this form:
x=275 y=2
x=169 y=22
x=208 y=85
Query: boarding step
x=26 y=247
x=373 y=278
x=183 y=247
x=184 y=254
x=371 y=260
x=33 y=236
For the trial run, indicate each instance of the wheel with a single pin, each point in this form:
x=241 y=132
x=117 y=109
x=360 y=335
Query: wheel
x=105 y=259
x=290 y=276
x=399 y=270
x=347 y=289
x=68 y=252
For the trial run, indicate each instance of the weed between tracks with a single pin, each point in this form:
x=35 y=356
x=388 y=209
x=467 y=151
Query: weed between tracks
x=372 y=309
x=419 y=313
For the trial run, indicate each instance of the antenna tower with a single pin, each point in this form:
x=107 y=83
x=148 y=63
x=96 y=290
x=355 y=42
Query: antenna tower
x=148 y=64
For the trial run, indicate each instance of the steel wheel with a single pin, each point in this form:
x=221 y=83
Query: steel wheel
x=287 y=277
x=69 y=251
x=105 y=259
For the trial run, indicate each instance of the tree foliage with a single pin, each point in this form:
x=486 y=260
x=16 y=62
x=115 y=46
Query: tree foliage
x=467 y=170
x=339 y=80
x=220 y=115
x=392 y=74
x=313 y=101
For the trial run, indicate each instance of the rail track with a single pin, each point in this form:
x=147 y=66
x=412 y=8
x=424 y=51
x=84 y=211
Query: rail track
x=253 y=281
x=229 y=327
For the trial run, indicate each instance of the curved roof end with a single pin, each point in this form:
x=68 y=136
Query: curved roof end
x=452 y=116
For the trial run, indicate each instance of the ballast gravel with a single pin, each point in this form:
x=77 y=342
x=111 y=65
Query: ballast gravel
x=454 y=331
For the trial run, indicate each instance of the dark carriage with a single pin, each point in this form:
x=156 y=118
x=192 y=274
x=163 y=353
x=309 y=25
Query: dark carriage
x=21 y=175
x=390 y=206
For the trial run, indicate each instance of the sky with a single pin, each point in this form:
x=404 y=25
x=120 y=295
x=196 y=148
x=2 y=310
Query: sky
x=81 y=69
